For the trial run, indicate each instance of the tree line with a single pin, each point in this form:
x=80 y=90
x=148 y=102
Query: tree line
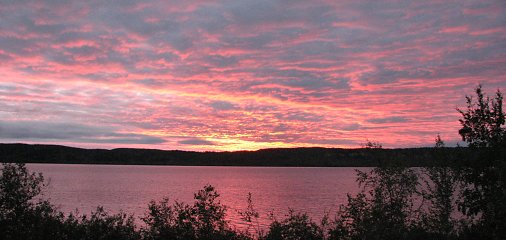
x=289 y=157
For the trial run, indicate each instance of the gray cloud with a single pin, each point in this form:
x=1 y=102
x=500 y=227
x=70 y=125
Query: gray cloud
x=351 y=127
x=299 y=116
x=38 y=130
x=196 y=141
x=99 y=76
x=222 y=105
x=221 y=61
x=394 y=119
x=150 y=82
x=15 y=45
x=384 y=75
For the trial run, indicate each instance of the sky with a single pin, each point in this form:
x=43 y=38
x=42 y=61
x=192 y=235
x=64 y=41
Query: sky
x=244 y=75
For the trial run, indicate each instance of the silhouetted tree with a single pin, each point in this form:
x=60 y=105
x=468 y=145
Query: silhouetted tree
x=372 y=144
x=484 y=195
x=483 y=121
x=439 y=190
x=384 y=209
x=251 y=217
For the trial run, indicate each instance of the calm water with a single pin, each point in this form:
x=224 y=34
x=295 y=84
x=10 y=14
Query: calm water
x=130 y=188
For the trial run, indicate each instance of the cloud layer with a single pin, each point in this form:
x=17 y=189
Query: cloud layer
x=228 y=75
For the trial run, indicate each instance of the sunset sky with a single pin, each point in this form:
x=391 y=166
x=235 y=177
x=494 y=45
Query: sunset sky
x=244 y=75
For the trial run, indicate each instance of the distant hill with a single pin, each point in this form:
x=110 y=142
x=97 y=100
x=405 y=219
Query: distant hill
x=297 y=157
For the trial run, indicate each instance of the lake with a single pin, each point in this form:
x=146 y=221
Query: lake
x=130 y=187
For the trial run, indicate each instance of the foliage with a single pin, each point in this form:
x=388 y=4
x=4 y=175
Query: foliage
x=484 y=192
x=384 y=209
x=372 y=145
x=440 y=186
x=101 y=225
x=387 y=208
x=251 y=216
x=17 y=188
x=296 y=226
x=24 y=217
x=205 y=219
x=483 y=121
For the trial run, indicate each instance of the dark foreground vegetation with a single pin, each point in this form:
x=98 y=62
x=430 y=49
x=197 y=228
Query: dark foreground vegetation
x=447 y=200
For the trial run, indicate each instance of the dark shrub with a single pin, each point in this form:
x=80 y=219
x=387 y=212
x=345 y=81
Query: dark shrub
x=384 y=209
x=296 y=226
x=205 y=219
x=24 y=217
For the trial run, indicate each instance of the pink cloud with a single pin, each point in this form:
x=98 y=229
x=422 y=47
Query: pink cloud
x=229 y=76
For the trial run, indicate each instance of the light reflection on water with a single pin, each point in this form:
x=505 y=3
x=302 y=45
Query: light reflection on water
x=130 y=188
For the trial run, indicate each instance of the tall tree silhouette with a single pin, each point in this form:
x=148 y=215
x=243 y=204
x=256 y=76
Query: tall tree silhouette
x=484 y=195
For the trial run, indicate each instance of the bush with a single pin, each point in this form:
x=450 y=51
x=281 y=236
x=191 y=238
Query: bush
x=101 y=225
x=205 y=219
x=384 y=209
x=24 y=217
x=296 y=226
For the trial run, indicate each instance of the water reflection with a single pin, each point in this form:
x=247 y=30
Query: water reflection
x=130 y=188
